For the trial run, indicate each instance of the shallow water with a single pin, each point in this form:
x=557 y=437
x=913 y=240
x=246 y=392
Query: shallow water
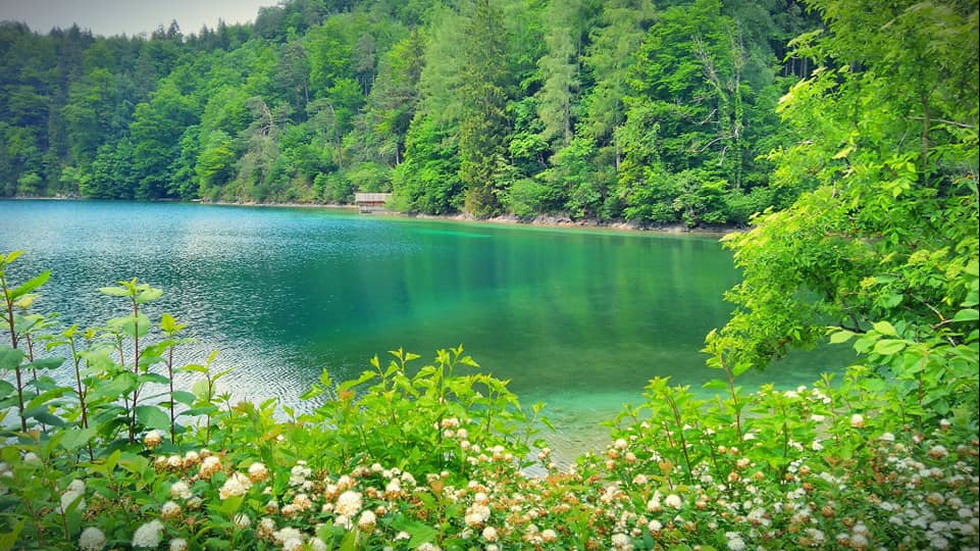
x=578 y=319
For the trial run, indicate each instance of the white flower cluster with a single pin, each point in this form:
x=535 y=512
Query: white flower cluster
x=92 y=539
x=236 y=485
x=148 y=535
x=74 y=494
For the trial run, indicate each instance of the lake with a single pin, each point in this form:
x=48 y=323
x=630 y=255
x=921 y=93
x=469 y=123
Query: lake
x=578 y=319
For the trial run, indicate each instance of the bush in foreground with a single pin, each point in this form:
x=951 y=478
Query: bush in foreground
x=428 y=458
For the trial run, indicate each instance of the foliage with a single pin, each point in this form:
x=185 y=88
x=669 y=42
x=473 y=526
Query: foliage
x=887 y=227
x=443 y=457
x=458 y=104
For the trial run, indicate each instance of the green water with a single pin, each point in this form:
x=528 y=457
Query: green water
x=577 y=319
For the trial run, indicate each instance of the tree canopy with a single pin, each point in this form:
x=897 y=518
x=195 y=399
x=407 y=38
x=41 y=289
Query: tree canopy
x=622 y=109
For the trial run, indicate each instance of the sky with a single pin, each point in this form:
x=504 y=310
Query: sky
x=132 y=17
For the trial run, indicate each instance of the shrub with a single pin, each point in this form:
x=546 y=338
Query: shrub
x=428 y=457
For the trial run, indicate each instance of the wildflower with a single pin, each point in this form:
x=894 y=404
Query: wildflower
x=257 y=472
x=654 y=505
x=175 y=462
x=858 y=541
x=476 y=514
x=620 y=444
x=490 y=533
x=180 y=490
x=148 y=535
x=31 y=457
x=169 y=510
x=292 y=544
x=857 y=421
x=210 y=466
x=349 y=503
x=316 y=544
x=549 y=535
x=367 y=522
x=191 y=458
x=735 y=541
x=299 y=473
x=152 y=439
x=938 y=452
x=178 y=544
x=236 y=485
x=286 y=534
x=266 y=528
x=403 y=535
x=243 y=521
x=621 y=542
x=673 y=500
x=394 y=486
x=302 y=502
x=75 y=493
x=92 y=539
x=428 y=547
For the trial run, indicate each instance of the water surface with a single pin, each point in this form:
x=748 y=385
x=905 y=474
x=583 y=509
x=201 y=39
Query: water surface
x=578 y=319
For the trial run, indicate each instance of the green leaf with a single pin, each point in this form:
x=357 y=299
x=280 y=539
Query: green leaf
x=114 y=291
x=46 y=363
x=887 y=347
x=46 y=417
x=183 y=397
x=716 y=384
x=10 y=357
x=13 y=255
x=153 y=417
x=149 y=295
x=349 y=543
x=30 y=285
x=967 y=314
x=193 y=368
x=741 y=368
x=217 y=543
x=153 y=378
x=169 y=324
x=229 y=507
x=885 y=328
x=75 y=439
x=204 y=410
x=120 y=385
x=843 y=335
x=8 y=539
x=314 y=391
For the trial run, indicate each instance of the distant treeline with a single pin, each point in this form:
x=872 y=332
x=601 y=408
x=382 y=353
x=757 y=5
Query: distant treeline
x=617 y=109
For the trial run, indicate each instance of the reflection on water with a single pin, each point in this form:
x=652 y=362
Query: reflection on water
x=577 y=319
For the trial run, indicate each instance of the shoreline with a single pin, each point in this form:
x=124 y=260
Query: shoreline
x=560 y=221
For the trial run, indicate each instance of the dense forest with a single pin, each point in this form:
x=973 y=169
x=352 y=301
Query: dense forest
x=603 y=110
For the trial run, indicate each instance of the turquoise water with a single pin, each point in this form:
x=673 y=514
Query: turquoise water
x=578 y=319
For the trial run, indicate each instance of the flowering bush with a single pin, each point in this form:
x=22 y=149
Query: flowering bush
x=425 y=458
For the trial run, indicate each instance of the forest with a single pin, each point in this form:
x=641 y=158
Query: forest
x=597 y=110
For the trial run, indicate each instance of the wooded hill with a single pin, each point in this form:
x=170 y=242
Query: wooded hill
x=617 y=109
